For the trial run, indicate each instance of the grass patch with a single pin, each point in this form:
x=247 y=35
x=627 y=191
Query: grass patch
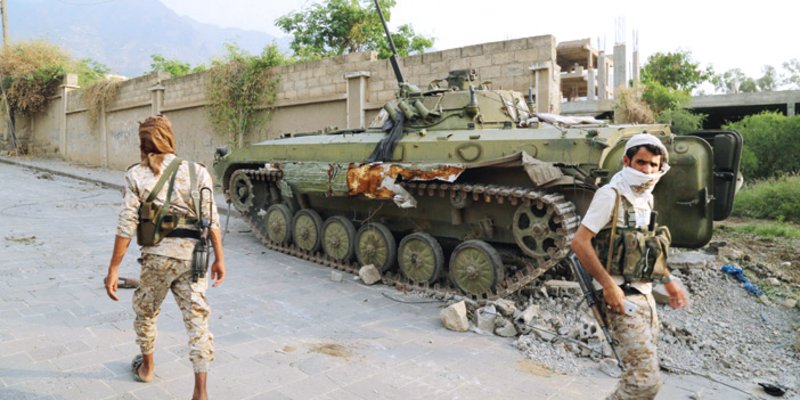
x=777 y=199
x=777 y=229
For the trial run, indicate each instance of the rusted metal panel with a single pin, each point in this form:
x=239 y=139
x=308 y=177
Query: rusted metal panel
x=379 y=180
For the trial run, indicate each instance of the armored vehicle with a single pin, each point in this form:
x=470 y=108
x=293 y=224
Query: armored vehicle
x=460 y=188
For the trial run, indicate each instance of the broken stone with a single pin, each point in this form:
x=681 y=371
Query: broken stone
x=454 y=317
x=773 y=281
x=485 y=317
x=562 y=288
x=505 y=307
x=525 y=317
x=728 y=254
x=337 y=276
x=660 y=292
x=369 y=274
x=505 y=328
x=790 y=303
x=610 y=367
x=690 y=260
x=588 y=331
x=786 y=264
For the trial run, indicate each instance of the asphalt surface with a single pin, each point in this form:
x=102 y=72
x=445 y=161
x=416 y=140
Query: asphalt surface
x=283 y=329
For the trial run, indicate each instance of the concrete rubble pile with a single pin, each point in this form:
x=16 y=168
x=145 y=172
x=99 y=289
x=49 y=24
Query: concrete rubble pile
x=725 y=331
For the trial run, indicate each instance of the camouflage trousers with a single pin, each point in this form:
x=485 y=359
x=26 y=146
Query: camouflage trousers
x=637 y=336
x=163 y=274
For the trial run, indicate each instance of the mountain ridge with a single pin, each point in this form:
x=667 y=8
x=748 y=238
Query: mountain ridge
x=123 y=34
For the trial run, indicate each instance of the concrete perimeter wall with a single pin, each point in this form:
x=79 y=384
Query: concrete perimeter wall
x=345 y=92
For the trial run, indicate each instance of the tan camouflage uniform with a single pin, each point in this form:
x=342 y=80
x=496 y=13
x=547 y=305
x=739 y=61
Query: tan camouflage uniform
x=637 y=336
x=167 y=265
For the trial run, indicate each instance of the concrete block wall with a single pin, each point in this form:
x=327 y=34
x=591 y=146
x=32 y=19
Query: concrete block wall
x=311 y=96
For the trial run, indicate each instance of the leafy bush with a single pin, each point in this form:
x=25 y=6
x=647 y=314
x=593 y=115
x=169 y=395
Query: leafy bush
x=771 y=144
x=31 y=72
x=629 y=107
x=777 y=198
x=238 y=86
x=681 y=120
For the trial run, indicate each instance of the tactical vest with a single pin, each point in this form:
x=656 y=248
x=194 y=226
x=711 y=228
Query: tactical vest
x=156 y=222
x=636 y=254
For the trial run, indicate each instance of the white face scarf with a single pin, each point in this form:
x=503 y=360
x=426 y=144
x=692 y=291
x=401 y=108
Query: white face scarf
x=638 y=187
x=639 y=182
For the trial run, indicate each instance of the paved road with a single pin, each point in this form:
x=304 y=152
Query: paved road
x=283 y=329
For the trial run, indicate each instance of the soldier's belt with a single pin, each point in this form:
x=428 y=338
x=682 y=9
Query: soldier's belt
x=185 y=233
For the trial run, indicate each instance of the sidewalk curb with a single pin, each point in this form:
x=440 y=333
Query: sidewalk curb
x=61 y=173
x=222 y=210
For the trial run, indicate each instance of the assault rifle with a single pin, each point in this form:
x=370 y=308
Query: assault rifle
x=592 y=300
x=200 y=256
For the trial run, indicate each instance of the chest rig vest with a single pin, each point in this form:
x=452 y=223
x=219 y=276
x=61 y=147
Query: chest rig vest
x=636 y=254
x=156 y=222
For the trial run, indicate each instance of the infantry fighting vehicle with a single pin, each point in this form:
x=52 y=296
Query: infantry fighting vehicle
x=460 y=188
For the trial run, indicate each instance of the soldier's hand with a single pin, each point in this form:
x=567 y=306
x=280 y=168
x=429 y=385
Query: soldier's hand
x=218 y=272
x=677 y=296
x=111 y=281
x=614 y=297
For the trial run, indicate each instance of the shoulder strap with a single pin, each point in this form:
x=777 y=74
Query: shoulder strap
x=613 y=230
x=174 y=173
x=168 y=172
x=194 y=193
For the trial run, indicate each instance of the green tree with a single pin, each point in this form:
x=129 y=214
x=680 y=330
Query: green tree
x=792 y=77
x=674 y=71
x=768 y=81
x=174 y=67
x=336 y=27
x=668 y=79
x=241 y=87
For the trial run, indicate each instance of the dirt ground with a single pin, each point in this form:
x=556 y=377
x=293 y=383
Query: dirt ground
x=762 y=258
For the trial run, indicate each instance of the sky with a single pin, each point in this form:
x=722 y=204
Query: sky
x=731 y=34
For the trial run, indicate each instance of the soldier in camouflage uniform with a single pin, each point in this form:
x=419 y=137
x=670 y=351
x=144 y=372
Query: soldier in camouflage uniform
x=166 y=266
x=645 y=161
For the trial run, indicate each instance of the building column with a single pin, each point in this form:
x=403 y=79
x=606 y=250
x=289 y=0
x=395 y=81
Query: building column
x=620 y=75
x=590 y=85
x=356 y=98
x=70 y=84
x=602 y=76
x=541 y=79
x=790 y=109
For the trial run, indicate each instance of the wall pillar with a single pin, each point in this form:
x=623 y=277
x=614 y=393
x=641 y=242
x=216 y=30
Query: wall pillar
x=70 y=84
x=790 y=109
x=156 y=98
x=356 y=98
x=591 y=85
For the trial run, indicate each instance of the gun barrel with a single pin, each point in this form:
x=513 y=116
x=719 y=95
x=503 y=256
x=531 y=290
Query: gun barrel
x=393 y=59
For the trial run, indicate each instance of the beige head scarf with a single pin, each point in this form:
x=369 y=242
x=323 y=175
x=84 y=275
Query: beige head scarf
x=156 y=140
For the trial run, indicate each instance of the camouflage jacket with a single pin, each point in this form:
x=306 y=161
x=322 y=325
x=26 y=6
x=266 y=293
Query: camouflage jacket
x=140 y=180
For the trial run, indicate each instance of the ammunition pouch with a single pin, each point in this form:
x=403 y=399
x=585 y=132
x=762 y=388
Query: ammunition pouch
x=636 y=254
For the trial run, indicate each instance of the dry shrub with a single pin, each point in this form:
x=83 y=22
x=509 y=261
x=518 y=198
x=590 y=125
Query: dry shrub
x=98 y=95
x=31 y=72
x=629 y=108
